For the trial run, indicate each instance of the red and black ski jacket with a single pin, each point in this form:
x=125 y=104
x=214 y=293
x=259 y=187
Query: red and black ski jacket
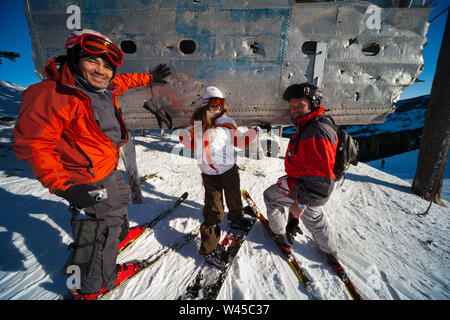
x=309 y=160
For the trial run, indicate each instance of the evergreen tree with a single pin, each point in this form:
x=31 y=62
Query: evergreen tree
x=9 y=55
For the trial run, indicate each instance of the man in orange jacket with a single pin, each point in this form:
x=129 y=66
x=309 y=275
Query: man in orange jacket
x=70 y=130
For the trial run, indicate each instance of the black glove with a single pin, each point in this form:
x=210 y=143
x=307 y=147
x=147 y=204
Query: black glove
x=292 y=229
x=160 y=114
x=78 y=195
x=160 y=73
x=264 y=125
x=248 y=210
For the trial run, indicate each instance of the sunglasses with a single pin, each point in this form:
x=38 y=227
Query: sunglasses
x=97 y=45
x=216 y=102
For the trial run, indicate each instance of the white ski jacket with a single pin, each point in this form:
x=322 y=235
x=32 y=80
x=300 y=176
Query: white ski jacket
x=214 y=148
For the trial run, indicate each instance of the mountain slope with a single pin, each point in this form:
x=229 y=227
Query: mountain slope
x=388 y=251
x=384 y=246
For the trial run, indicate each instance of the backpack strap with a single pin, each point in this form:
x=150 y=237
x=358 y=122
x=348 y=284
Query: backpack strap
x=329 y=121
x=322 y=118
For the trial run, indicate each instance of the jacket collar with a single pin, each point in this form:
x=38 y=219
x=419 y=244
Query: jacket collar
x=57 y=69
x=303 y=121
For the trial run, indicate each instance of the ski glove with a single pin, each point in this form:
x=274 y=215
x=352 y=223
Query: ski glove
x=78 y=195
x=264 y=125
x=161 y=115
x=160 y=73
x=292 y=229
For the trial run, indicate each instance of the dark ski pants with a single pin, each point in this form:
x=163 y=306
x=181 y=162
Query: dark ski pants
x=113 y=210
x=227 y=183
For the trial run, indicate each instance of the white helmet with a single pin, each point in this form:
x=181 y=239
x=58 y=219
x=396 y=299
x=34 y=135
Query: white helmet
x=211 y=92
x=73 y=38
x=86 y=41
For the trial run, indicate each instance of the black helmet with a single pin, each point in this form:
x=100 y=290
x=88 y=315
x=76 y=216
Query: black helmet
x=304 y=90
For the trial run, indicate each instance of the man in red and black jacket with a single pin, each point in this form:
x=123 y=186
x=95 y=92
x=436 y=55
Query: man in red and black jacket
x=309 y=178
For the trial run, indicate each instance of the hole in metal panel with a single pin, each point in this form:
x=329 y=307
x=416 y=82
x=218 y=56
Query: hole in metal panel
x=128 y=46
x=309 y=47
x=255 y=47
x=188 y=46
x=352 y=41
x=371 y=49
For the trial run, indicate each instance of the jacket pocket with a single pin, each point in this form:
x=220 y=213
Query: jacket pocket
x=89 y=161
x=73 y=157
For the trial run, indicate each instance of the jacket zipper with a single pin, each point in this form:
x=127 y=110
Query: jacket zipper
x=121 y=123
x=122 y=127
x=90 y=166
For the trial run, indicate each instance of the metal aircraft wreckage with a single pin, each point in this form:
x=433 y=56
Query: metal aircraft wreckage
x=361 y=54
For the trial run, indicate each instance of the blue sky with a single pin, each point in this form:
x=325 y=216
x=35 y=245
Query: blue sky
x=15 y=37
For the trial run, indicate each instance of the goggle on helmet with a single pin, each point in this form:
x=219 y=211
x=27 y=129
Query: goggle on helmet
x=95 y=43
x=213 y=97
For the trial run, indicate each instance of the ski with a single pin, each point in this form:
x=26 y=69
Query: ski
x=149 y=225
x=209 y=280
x=285 y=251
x=299 y=272
x=152 y=260
x=351 y=289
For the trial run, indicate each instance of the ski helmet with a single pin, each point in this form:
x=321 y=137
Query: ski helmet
x=304 y=90
x=211 y=92
x=85 y=41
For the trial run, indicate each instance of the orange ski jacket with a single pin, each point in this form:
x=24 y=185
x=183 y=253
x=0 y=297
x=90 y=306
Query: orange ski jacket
x=57 y=135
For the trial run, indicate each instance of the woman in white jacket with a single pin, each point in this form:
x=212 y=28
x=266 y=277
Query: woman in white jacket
x=213 y=138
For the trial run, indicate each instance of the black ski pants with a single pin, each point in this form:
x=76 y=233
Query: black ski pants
x=113 y=210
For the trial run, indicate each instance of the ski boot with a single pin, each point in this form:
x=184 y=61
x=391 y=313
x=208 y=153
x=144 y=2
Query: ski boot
x=243 y=223
x=124 y=271
x=217 y=257
x=335 y=264
x=280 y=240
x=133 y=234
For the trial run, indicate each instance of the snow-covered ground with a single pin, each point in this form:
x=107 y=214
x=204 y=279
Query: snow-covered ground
x=387 y=249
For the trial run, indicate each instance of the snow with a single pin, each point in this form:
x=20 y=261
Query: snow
x=409 y=115
x=388 y=250
x=10 y=98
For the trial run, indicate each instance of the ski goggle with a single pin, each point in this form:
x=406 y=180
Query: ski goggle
x=94 y=44
x=216 y=102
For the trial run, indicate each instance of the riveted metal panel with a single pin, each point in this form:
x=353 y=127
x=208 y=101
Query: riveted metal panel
x=252 y=50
